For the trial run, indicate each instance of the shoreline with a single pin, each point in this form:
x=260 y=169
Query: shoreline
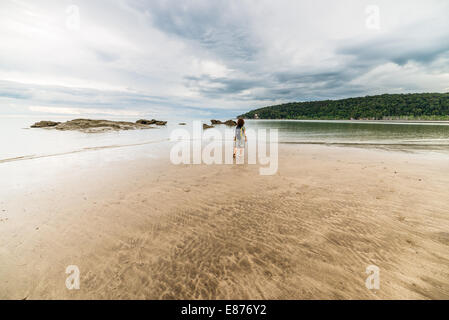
x=357 y=121
x=400 y=147
x=141 y=230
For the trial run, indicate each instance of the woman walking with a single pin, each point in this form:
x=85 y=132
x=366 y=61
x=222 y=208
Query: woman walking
x=240 y=137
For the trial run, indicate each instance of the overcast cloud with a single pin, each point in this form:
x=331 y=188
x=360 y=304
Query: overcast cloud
x=136 y=58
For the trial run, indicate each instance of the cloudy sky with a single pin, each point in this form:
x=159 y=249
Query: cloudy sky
x=136 y=58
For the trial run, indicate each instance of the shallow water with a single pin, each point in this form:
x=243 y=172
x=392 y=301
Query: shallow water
x=36 y=157
x=19 y=142
x=433 y=136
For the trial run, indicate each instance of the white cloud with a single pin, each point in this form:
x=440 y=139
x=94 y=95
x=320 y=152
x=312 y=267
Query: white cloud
x=222 y=57
x=82 y=111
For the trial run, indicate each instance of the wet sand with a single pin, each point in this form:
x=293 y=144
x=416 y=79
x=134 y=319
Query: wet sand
x=158 y=231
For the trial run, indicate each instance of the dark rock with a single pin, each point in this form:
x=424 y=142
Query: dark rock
x=152 y=121
x=206 y=126
x=230 y=123
x=95 y=125
x=91 y=126
x=146 y=122
x=45 y=124
x=182 y=123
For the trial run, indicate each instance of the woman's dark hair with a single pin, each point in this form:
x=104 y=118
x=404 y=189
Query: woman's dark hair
x=240 y=123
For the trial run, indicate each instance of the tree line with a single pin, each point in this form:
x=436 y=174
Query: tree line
x=414 y=106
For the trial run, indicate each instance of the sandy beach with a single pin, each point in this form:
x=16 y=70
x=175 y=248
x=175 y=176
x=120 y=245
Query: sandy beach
x=141 y=230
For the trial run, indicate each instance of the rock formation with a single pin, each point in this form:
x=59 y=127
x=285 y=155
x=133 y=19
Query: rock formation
x=45 y=124
x=228 y=122
x=90 y=126
x=152 y=121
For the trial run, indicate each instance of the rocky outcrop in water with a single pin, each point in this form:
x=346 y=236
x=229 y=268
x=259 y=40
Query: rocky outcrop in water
x=90 y=126
x=45 y=124
x=152 y=121
x=230 y=123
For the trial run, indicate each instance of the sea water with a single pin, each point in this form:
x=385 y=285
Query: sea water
x=26 y=154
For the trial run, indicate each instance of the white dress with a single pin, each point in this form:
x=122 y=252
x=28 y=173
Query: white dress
x=240 y=137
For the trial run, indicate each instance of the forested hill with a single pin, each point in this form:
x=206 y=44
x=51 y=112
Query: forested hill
x=425 y=106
